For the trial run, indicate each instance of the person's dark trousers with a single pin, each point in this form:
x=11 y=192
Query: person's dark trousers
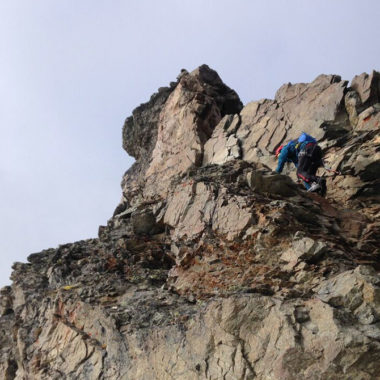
x=305 y=170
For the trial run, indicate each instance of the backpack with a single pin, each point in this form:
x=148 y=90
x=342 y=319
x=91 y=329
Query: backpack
x=312 y=156
x=313 y=151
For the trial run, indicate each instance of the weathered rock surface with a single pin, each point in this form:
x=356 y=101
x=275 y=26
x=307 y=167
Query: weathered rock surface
x=179 y=122
x=368 y=88
x=213 y=266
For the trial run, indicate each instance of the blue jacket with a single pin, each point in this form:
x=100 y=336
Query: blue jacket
x=289 y=153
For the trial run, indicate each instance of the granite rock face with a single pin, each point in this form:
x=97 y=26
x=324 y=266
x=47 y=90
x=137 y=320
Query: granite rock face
x=213 y=266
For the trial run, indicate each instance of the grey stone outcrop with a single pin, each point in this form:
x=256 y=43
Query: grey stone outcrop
x=213 y=266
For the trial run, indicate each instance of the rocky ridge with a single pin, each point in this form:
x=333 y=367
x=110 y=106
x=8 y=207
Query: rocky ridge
x=213 y=266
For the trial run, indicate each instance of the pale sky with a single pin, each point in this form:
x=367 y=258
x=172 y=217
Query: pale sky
x=71 y=71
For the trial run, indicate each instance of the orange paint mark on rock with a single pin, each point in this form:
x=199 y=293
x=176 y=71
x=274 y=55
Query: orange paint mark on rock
x=367 y=118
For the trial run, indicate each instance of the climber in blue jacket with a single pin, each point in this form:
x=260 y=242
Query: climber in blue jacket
x=293 y=151
x=287 y=153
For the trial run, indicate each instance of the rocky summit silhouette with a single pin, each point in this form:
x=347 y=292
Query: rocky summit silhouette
x=213 y=266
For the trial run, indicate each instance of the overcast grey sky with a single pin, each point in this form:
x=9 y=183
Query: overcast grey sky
x=71 y=71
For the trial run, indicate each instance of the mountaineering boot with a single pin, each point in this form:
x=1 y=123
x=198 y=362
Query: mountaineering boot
x=314 y=186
